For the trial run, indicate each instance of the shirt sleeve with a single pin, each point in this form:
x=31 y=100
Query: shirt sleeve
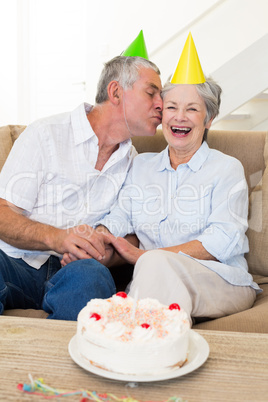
x=224 y=236
x=22 y=172
x=119 y=221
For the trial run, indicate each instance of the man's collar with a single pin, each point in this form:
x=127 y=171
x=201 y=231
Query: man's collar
x=81 y=126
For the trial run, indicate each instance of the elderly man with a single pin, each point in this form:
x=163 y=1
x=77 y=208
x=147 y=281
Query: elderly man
x=63 y=174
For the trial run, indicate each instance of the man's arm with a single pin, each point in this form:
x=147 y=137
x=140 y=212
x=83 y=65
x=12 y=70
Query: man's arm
x=21 y=232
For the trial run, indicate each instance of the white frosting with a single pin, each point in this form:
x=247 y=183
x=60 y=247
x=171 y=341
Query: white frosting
x=152 y=340
x=141 y=334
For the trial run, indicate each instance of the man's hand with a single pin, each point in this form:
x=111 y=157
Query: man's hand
x=81 y=242
x=99 y=248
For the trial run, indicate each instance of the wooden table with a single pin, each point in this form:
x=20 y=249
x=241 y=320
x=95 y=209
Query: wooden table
x=236 y=370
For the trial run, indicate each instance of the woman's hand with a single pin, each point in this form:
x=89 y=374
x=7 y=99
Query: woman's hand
x=126 y=250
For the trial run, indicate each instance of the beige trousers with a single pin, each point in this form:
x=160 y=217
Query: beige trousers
x=176 y=278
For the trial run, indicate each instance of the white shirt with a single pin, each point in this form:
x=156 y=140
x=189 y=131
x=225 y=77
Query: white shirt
x=205 y=199
x=50 y=173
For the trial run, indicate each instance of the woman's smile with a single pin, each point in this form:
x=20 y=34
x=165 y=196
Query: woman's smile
x=180 y=132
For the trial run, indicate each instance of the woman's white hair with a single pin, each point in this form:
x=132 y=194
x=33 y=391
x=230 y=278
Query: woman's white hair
x=209 y=91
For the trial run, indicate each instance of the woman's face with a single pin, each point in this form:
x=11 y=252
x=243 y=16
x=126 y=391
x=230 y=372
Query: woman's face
x=184 y=113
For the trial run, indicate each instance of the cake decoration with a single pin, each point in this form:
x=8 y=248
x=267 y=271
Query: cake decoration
x=174 y=306
x=96 y=316
x=130 y=336
x=121 y=294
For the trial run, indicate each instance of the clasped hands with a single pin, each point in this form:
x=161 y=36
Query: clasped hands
x=103 y=246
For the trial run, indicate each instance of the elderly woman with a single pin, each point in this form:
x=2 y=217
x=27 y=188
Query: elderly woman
x=188 y=208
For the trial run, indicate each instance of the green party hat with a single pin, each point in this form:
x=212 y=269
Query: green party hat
x=137 y=48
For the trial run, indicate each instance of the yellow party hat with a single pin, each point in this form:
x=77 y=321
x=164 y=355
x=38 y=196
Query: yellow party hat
x=137 y=48
x=189 y=70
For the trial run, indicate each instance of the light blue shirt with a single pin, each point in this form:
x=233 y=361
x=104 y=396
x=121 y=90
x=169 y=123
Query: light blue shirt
x=205 y=199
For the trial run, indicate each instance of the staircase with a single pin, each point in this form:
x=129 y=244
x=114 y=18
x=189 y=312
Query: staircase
x=231 y=38
x=244 y=80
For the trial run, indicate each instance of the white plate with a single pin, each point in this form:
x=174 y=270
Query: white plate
x=198 y=354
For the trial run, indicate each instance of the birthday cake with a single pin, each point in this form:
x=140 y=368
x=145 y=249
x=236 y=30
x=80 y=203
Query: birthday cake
x=129 y=336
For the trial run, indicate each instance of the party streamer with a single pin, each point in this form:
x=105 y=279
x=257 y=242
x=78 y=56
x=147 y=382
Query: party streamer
x=37 y=387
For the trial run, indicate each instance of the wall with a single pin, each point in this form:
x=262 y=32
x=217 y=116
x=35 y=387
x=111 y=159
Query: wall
x=9 y=61
x=52 y=51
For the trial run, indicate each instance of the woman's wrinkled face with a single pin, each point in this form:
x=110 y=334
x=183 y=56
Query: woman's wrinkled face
x=184 y=113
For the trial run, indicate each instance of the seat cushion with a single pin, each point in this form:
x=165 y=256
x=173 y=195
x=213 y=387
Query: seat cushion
x=26 y=313
x=8 y=134
x=257 y=232
x=6 y=144
x=254 y=319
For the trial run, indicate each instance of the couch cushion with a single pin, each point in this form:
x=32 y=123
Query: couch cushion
x=8 y=134
x=155 y=143
x=258 y=224
x=254 y=319
x=26 y=313
x=240 y=144
x=6 y=144
x=16 y=131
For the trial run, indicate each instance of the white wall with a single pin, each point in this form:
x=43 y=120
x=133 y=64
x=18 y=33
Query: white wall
x=49 y=48
x=114 y=24
x=8 y=61
x=224 y=31
x=53 y=47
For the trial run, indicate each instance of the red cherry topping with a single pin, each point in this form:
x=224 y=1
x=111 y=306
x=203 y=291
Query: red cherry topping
x=121 y=294
x=145 y=325
x=96 y=316
x=174 y=306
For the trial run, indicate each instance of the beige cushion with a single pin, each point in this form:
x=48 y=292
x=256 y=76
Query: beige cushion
x=26 y=313
x=8 y=134
x=258 y=224
x=16 y=131
x=6 y=144
x=254 y=319
x=246 y=146
x=155 y=143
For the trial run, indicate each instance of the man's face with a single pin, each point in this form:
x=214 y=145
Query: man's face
x=143 y=104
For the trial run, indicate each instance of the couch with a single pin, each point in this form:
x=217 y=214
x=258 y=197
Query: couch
x=251 y=148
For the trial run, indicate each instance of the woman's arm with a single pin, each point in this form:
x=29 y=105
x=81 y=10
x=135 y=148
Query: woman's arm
x=131 y=253
x=193 y=248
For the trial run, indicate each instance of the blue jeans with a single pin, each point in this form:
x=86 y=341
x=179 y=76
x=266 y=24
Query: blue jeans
x=61 y=292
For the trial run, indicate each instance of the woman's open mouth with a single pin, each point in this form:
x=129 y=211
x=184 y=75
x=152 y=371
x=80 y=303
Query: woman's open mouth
x=180 y=131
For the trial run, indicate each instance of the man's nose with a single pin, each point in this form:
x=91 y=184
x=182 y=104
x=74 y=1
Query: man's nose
x=158 y=103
